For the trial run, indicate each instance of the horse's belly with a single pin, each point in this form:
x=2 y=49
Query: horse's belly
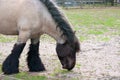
x=8 y=32
x=8 y=27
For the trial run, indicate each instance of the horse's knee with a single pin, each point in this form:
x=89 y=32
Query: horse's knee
x=11 y=64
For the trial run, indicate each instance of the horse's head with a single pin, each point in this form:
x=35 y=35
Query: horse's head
x=67 y=54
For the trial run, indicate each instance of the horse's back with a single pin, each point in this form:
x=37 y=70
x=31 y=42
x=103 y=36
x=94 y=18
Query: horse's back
x=16 y=13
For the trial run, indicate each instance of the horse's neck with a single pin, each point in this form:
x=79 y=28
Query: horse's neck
x=53 y=18
x=50 y=28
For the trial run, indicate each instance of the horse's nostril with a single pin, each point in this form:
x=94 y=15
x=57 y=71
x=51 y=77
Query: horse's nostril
x=70 y=68
x=63 y=67
x=67 y=67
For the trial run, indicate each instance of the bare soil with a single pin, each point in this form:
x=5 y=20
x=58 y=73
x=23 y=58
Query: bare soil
x=98 y=60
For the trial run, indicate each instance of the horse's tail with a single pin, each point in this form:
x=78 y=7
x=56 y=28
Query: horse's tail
x=59 y=19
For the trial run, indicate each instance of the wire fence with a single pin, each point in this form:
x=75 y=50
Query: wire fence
x=87 y=3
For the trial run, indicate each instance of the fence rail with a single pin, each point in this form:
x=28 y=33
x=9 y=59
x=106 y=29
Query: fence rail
x=86 y=3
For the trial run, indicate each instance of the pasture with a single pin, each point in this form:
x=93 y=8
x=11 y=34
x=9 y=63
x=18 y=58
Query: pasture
x=99 y=33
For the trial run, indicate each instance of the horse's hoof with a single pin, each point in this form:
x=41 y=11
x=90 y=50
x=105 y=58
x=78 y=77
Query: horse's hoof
x=10 y=66
x=35 y=64
x=10 y=72
x=37 y=69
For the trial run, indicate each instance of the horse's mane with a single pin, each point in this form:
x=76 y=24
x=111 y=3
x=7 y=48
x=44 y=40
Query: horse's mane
x=59 y=20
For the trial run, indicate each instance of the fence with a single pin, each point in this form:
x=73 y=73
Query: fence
x=87 y=3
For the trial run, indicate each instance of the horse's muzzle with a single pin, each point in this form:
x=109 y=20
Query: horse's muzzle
x=69 y=65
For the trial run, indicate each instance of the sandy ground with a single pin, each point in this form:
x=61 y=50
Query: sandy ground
x=97 y=60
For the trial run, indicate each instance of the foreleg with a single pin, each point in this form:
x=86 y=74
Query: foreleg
x=34 y=62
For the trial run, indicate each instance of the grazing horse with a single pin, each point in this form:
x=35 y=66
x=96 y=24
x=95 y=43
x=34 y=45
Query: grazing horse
x=29 y=19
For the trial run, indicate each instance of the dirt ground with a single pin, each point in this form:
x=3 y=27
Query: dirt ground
x=96 y=61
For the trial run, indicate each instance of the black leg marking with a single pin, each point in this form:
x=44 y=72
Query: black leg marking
x=34 y=62
x=11 y=64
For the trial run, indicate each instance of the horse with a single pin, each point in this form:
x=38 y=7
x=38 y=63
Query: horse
x=29 y=19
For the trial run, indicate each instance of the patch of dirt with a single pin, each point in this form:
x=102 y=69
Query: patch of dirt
x=96 y=61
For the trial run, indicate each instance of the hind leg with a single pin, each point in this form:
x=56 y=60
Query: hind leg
x=34 y=62
x=11 y=64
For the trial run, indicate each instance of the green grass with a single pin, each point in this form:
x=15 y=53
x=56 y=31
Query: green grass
x=94 y=17
x=26 y=76
x=105 y=39
x=89 y=22
x=4 y=38
x=75 y=79
x=82 y=38
x=23 y=76
x=59 y=71
x=77 y=65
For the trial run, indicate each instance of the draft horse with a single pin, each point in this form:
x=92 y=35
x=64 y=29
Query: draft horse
x=29 y=19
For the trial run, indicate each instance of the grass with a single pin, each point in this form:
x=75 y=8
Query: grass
x=89 y=22
x=4 y=38
x=75 y=79
x=94 y=17
x=77 y=65
x=23 y=76
x=26 y=76
x=59 y=71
